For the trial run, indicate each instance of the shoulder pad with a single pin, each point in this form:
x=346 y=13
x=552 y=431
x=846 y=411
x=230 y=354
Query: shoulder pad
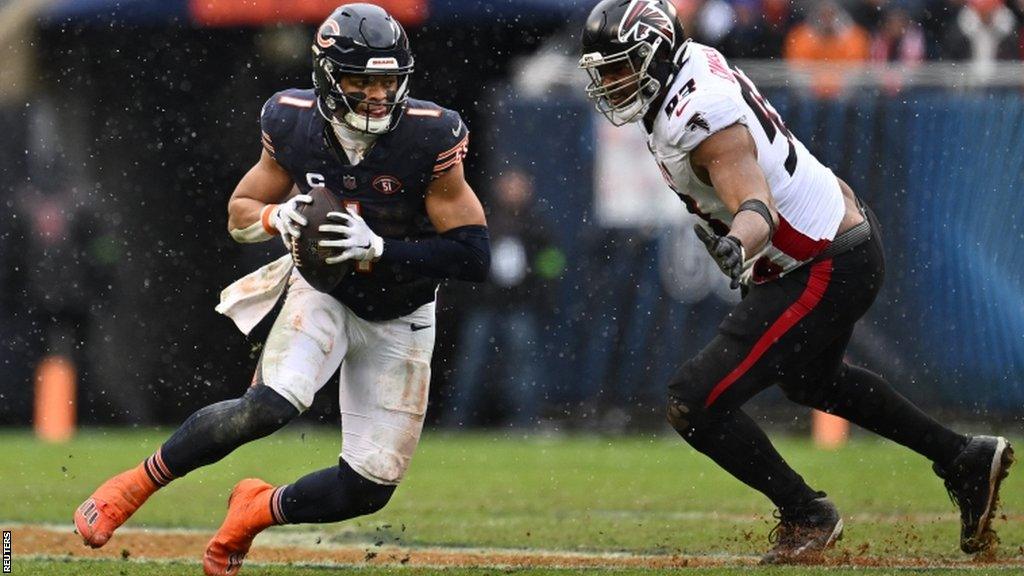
x=447 y=136
x=280 y=113
x=699 y=115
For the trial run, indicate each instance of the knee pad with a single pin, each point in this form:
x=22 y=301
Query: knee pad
x=685 y=416
x=689 y=417
x=679 y=414
x=264 y=410
x=380 y=464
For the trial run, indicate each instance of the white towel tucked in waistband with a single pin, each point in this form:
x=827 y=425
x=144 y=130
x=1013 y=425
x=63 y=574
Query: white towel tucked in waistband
x=250 y=298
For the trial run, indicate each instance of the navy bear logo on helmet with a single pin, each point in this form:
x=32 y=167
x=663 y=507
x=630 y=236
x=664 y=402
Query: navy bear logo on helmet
x=360 y=50
x=324 y=34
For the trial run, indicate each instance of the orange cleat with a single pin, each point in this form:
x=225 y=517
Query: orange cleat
x=113 y=503
x=249 y=513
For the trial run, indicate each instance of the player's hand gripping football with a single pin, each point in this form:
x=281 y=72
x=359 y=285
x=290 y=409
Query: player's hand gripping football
x=357 y=240
x=288 y=221
x=727 y=252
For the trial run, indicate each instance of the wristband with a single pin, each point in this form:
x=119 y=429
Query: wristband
x=265 y=215
x=761 y=208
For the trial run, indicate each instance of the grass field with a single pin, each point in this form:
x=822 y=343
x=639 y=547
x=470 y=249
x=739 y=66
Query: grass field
x=490 y=504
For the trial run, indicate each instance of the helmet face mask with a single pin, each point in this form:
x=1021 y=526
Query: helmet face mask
x=630 y=50
x=354 y=51
x=348 y=102
x=626 y=89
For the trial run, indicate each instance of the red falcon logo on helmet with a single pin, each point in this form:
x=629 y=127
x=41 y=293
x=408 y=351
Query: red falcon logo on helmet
x=643 y=17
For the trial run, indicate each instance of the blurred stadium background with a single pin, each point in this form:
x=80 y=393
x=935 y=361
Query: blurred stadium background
x=126 y=125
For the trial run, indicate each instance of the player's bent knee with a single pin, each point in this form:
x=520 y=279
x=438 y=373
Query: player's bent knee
x=689 y=418
x=378 y=464
x=262 y=411
x=681 y=415
x=366 y=496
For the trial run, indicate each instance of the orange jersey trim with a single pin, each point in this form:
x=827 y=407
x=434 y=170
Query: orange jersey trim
x=457 y=151
x=423 y=112
x=267 y=144
x=297 y=102
x=449 y=158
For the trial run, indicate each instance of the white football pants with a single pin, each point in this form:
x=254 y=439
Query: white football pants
x=385 y=374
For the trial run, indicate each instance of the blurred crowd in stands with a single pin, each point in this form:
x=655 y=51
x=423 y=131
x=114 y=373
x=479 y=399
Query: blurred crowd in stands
x=897 y=31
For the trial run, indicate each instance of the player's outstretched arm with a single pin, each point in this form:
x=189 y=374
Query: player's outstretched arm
x=255 y=210
x=728 y=161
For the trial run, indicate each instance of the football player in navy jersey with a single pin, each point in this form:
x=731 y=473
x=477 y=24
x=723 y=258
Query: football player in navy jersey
x=410 y=220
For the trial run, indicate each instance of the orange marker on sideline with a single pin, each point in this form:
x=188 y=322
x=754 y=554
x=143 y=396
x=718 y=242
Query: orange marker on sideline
x=829 y=432
x=55 y=406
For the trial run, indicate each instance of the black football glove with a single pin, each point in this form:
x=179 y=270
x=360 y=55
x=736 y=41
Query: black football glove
x=727 y=252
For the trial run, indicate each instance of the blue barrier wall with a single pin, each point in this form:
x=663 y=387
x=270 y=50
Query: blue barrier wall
x=943 y=170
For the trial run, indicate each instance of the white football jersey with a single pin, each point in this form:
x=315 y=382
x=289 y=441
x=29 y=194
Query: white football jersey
x=707 y=96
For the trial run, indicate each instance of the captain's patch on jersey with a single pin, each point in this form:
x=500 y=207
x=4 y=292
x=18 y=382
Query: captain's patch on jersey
x=698 y=122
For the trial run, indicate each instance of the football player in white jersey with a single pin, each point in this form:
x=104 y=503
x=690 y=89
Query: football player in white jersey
x=808 y=255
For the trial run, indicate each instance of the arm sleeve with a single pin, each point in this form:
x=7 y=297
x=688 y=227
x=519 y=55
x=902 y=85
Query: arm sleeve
x=702 y=115
x=463 y=253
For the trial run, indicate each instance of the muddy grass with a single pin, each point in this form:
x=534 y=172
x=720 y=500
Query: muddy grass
x=62 y=542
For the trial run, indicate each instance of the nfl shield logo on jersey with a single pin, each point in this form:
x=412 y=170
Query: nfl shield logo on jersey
x=349 y=182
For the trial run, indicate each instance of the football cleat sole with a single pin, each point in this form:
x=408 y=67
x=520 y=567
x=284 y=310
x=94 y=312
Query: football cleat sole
x=984 y=537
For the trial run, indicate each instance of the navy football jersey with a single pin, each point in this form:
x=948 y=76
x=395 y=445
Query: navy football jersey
x=388 y=187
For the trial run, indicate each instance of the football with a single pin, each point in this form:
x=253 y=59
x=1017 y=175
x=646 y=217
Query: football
x=309 y=257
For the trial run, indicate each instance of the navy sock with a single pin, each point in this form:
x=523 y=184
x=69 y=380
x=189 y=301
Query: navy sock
x=332 y=495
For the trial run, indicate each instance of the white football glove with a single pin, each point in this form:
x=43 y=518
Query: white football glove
x=358 y=241
x=288 y=221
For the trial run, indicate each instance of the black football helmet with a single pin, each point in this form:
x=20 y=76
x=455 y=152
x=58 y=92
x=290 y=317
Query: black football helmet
x=642 y=41
x=360 y=39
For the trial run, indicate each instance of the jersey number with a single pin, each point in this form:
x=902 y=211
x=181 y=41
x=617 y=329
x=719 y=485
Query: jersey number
x=767 y=116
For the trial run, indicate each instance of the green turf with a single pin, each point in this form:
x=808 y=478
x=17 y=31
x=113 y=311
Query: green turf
x=639 y=494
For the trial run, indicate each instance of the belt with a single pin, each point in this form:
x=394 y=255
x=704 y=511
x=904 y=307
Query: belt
x=850 y=239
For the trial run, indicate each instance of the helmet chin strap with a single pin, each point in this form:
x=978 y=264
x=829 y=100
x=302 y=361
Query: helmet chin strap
x=367 y=124
x=638 y=108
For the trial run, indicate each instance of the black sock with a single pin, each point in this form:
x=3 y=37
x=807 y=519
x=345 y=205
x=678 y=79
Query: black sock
x=867 y=400
x=736 y=443
x=332 y=495
x=213 y=432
